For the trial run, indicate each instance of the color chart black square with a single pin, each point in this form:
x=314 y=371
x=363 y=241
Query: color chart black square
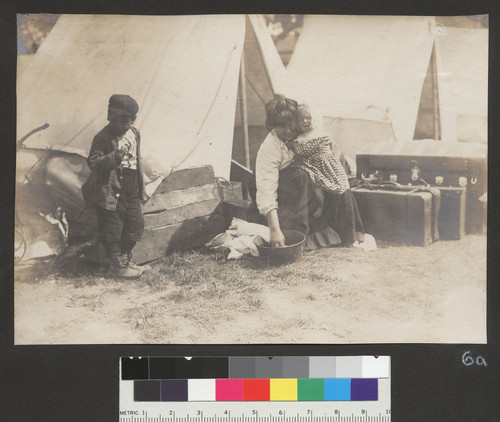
x=194 y=368
x=135 y=368
x=215 y=367
x=149 y=390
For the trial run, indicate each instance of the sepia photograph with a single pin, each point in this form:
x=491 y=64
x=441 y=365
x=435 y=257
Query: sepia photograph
x=251 y=179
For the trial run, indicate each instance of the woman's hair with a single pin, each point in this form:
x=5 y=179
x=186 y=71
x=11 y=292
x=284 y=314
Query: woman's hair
x=280 y=111
x=304 y=108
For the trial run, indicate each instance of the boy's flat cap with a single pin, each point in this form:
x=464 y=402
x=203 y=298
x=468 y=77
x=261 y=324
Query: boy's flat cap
x=124 y=102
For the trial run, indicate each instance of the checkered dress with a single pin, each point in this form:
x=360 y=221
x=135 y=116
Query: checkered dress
x=317 y=158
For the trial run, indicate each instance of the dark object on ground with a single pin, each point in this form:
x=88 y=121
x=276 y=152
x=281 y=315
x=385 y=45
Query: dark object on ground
x=243 y=209
x=452 y=213
x=292 y=251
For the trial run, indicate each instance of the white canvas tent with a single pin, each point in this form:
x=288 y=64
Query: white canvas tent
x=184 y=71
x=369 y=72
x=464 y=53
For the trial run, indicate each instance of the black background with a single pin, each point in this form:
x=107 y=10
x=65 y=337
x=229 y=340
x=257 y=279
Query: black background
x=80 y=382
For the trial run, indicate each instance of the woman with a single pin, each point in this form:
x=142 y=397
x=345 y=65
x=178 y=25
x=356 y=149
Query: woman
x=286 y=193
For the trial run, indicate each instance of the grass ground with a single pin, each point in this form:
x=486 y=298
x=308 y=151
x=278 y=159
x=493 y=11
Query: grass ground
x=333 y=295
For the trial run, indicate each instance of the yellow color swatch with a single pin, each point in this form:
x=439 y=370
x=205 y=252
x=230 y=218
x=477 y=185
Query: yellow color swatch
x=283 y=389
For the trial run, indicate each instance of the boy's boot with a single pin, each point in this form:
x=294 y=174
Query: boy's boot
x=119 y=268
x=126 y=258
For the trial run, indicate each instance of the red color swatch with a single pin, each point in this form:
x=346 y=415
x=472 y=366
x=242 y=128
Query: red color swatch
x=256 y=390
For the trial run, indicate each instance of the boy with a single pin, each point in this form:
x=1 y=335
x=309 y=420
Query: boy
x=118 y=187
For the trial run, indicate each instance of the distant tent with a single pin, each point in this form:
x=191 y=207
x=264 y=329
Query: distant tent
x=464 y=52
x=184 y=72
x=368 y=72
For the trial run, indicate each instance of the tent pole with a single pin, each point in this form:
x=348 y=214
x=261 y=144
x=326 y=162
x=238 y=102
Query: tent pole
x=244 y=111
x=244 y=119
x=435 y=96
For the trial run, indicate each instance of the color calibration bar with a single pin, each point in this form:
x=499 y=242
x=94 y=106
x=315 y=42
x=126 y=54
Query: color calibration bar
x=255 y=389
x=179 y=379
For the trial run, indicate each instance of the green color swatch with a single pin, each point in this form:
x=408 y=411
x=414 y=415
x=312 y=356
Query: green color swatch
x=309 y=389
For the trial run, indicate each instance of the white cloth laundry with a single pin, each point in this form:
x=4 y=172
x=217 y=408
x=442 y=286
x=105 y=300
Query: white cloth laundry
x=369 y=244
x=239 y=238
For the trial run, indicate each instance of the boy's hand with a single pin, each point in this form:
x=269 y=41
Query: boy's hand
x=122 y=152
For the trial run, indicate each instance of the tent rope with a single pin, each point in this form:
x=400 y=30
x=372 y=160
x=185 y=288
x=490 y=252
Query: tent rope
x=217 y=92
x=255 y=90
x=209 y=110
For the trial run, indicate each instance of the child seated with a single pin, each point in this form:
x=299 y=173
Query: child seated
x=315 y=154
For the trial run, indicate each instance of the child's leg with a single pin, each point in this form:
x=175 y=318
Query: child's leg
x=133 y=225
x=320 y=200
x=111 y=226
x=133 y=229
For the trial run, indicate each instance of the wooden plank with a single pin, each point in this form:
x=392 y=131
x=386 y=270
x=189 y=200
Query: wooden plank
x=186 y=178
x=179 y=198
x=179 y=214
x=157 y=243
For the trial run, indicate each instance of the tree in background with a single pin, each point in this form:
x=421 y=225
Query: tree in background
x=284 y=30
x=32 y=29
x=280 y=26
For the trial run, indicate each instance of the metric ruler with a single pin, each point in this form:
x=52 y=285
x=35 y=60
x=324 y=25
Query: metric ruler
x=162 y=391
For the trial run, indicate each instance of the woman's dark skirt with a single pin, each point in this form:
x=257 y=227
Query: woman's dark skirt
x=339 y=223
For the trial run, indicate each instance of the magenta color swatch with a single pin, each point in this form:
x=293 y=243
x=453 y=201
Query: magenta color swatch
x=229 y=390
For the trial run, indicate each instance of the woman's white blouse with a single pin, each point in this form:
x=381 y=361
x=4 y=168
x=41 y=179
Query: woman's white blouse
x=272 y=157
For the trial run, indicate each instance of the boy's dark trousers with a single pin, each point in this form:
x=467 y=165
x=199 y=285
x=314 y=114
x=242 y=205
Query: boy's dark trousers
x=121 y=229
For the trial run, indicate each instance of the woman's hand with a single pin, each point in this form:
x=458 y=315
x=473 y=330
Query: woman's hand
x=276 y=238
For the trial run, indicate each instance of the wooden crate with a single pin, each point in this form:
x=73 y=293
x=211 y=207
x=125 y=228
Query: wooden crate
x=158 y=242
x=230 y=191
x=184 y=212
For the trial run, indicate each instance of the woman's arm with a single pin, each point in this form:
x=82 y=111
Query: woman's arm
x=267 y=168
x=276 y=236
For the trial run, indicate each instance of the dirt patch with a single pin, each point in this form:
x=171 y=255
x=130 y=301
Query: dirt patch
x=435 y=294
